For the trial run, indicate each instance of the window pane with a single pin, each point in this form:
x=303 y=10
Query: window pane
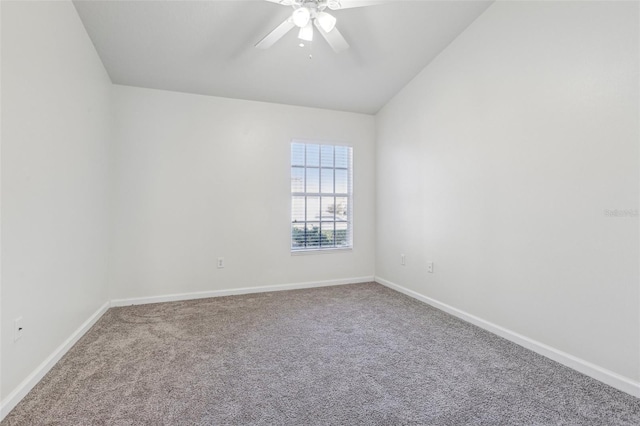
x=342 y=182
x=327 y=181
x=297 y=179
x=327 y=235
x=313 y=209
x=313 y=180
x=298 y=235
x=297 y=154
x=327 y=155
x=319 y=218
x=328 y=208
x=342 y=156
x=313 y=155
x=297 y=209
x=341 y=235
x=342 y=208
x=313 y=235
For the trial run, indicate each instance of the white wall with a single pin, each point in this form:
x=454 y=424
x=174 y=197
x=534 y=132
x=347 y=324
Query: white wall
x=497 y=163
x=55 y=135
x=197 y=178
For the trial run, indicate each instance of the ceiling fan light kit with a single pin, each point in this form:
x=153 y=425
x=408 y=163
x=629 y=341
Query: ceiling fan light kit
x=309 y=13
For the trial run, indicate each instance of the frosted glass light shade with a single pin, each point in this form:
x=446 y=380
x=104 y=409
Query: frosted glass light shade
x=301 y=17
x=327 y=22
x=306 y=33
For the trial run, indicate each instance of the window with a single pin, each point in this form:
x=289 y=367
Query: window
x=321 y=205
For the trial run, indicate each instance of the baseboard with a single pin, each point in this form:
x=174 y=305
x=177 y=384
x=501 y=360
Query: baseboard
x=606 y=376
x=236 y=291
x=27 y=384
x=602 y=374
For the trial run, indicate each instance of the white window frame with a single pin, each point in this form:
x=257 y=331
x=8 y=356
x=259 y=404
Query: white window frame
x=348 y=195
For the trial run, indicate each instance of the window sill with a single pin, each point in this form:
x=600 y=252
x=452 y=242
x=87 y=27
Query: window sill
x=320 y=251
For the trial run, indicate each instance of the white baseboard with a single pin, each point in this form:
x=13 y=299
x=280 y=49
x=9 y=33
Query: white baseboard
x=27 y=384
x=602 y=374
x=236 y=291
x=606 y=376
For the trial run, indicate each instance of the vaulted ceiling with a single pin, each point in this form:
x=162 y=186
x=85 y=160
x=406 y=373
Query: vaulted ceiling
x=207 y=47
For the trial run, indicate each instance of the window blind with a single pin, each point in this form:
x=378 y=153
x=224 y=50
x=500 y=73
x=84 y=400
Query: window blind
x=321 y=196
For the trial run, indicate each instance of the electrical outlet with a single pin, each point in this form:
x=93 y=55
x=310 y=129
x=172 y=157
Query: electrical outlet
x=220 y=262
x=17 y=329
x=403 y=259
x=430 y=267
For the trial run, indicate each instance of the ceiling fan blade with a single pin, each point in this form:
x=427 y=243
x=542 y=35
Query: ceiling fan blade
x=348 y=4
x=276 y=34
x=333 y=37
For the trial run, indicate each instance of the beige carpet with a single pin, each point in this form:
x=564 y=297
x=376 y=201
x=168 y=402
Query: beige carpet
x=357 y=354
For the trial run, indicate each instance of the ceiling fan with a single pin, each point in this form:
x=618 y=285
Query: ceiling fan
x=309 y=13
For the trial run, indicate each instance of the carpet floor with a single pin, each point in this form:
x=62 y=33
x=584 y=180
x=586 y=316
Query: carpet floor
x=345 y=355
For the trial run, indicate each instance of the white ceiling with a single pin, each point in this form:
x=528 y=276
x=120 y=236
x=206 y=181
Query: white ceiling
x=206 y=47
